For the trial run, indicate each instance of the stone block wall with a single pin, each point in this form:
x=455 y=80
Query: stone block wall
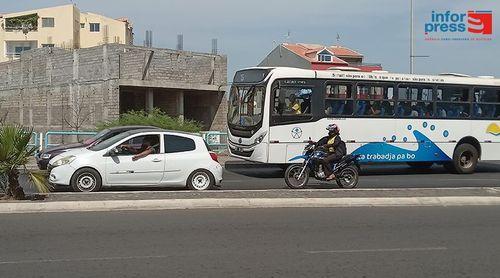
x=56 y=89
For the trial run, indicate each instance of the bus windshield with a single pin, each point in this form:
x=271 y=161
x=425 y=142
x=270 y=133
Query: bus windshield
x=246 y=105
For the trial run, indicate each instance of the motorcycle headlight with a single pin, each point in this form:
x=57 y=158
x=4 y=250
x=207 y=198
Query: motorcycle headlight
x=63 y=161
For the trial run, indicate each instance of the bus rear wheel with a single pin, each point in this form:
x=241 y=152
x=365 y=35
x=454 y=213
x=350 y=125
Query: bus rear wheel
x=465 y=158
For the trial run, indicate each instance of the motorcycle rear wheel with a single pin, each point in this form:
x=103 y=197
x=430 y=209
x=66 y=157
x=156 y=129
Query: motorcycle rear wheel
x=348 y=177
x=292 y=179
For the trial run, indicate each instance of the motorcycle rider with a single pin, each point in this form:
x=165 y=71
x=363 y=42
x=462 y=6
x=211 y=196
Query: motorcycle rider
x=334 y=146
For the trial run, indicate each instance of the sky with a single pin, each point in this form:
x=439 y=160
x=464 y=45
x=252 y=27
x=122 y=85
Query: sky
x=248 y=30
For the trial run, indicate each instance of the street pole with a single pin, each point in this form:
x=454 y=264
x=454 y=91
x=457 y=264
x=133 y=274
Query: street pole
x=411 y=37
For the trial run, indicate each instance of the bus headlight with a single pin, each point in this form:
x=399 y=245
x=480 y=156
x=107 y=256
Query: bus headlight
x=259 y=139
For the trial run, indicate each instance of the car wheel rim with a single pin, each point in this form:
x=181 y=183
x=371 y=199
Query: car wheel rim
x=86 y=182
x=466 y=160
x=201 y=181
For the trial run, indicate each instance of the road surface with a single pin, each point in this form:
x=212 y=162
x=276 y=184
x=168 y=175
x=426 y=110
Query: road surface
x=320 y=242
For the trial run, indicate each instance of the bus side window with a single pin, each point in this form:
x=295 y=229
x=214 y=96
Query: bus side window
x=453 y=102
x=338 y=100
x=486 y=103
x=375 y=100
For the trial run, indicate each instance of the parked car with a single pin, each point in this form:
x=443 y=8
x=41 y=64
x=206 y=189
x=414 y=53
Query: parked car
x=44 y=157
x=176 y=159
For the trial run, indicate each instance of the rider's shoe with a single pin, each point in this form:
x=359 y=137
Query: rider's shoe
x=330 y=177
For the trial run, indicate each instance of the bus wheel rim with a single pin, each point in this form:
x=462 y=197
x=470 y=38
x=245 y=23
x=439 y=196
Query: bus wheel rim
x=465 y=159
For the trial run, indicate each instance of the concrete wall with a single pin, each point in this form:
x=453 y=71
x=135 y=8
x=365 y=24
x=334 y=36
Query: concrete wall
x=282 y=57
x=53 y=89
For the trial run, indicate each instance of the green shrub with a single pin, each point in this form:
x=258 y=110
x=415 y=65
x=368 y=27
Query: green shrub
x=156 y=118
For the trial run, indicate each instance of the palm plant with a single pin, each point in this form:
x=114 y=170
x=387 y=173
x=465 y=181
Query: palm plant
x=14 y=155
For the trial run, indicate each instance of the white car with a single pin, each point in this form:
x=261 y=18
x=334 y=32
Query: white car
x=176 y=159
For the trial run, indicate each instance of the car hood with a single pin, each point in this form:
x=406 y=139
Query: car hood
x=76 y=152
x=62 y=148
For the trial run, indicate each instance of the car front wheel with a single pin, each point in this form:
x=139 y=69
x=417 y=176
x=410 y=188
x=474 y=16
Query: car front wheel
x=201 y=180
x=86 y=180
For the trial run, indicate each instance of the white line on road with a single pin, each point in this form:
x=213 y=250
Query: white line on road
x=83 y=259
x=417 y=249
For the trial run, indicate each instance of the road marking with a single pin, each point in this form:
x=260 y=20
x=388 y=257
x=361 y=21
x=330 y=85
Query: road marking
x=83 y=259
x=477 y=179
x=417 y=249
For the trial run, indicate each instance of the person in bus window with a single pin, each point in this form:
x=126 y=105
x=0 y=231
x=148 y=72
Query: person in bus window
x=374 y=108
x=294 y=106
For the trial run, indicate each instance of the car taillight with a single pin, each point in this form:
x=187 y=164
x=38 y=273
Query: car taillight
x=214 y=156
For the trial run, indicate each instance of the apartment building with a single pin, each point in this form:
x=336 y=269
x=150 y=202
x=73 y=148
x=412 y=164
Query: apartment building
x=62 y=26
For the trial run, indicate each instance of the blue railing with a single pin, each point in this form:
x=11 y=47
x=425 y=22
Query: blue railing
x=48 y=134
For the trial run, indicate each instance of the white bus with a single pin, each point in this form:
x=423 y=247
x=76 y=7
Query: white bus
x=448 y=119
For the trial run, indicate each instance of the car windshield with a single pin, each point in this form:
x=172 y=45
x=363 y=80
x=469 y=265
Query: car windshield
x=96 y=137
x=246 y=105
x=109 y=142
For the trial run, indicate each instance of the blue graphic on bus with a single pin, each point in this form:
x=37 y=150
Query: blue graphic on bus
x=384 y=152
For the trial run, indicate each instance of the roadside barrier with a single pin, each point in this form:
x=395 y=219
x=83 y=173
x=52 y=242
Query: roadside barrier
x=216 y=140
x=47 y=143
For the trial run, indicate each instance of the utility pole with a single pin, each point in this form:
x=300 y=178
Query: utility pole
x=411 y=37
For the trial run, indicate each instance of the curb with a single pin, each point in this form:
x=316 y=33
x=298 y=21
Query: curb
x=213 y=203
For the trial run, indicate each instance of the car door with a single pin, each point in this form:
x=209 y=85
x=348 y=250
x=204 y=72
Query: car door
x=181 y=158
x=121 y=169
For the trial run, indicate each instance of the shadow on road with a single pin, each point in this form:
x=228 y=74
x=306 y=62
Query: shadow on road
x=275 y=171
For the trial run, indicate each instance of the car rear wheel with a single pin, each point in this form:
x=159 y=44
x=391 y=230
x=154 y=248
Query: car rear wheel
x=201 y=180
x=86 y=180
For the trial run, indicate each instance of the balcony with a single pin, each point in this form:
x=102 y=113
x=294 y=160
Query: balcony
x=24 y=23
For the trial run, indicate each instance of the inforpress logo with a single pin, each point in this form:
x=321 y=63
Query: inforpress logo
x=480 y=22
x=473 y=25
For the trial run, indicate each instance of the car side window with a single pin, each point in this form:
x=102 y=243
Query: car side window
x=139 y=144
x=176 y=144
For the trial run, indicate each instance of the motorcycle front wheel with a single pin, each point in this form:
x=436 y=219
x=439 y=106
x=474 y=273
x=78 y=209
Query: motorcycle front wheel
x=293 y=179
x=348 y=177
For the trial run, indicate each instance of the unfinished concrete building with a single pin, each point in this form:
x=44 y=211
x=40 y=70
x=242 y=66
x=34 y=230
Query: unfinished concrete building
x=56 y=89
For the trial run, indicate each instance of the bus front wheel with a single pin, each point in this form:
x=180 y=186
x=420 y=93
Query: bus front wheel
x=465 y=158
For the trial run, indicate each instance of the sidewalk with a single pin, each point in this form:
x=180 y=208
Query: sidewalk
x=283 y=198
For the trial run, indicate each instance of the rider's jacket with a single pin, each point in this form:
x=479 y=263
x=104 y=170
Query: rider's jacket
x=333 y=144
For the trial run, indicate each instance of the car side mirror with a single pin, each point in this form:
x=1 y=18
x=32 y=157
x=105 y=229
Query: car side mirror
x=114 y=151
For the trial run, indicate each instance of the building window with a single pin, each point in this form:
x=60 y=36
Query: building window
x=82 y=25
x=47 y=45
x=19 y=49
x=95 y=27
x=324 y=58
x=48 y=22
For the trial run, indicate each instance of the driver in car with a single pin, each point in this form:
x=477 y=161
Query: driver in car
x=150 y=145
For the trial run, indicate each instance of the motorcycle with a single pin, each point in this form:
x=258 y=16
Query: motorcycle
x=345 y=171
